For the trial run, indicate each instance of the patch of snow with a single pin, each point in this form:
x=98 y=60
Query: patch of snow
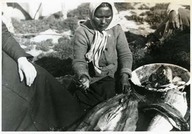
x=146 y=27
x=143 y=5
x=50 y=34
x=138 y=11
x=128 y=24
x=131 y=25
x=67 y=33
x=125 y=13
x=34 y=52
x=23 y=46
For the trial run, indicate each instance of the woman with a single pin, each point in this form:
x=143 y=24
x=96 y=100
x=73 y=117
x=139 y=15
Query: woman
x=177 y=22
x=38 y=103
x=100 y=49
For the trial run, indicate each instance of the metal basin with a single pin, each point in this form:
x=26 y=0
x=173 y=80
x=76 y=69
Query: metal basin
x=143 y=73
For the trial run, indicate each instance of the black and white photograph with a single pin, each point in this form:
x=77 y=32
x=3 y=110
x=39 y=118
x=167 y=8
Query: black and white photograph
x=95 y=66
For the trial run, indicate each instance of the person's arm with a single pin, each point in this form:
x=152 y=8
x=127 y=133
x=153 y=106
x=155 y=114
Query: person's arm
x=80 y=65
x=13 y=49
x=173 y=7
x=11 y=46
x=173 y=14
x=125 y=61
x=124 y=53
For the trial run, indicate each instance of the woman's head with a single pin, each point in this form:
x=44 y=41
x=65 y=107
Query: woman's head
x=102 y=15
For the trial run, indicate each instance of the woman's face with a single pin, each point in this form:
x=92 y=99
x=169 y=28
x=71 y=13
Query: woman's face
x=102 y=18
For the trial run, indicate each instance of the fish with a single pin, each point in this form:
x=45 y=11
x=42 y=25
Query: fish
x=108 y=121
x=161 y=77
x=91 y=117
x=131 y=116
x=119 y=113
x=170 y=113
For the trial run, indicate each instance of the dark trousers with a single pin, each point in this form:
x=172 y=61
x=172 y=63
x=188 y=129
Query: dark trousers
x=98 y=92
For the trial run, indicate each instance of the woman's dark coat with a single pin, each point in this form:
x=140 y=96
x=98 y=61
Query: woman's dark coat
x=43 y=106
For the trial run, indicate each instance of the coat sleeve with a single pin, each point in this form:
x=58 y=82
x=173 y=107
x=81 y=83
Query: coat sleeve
x=11 y=46
x=173 y=6
x=124 y=53
x=80 y=46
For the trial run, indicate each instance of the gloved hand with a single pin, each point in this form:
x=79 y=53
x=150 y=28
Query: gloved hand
x=84 y=83
x=125 y=84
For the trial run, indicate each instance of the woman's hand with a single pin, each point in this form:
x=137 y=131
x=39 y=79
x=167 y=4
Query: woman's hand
x=125 y=85
x=84 y=83
x=26 y=69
